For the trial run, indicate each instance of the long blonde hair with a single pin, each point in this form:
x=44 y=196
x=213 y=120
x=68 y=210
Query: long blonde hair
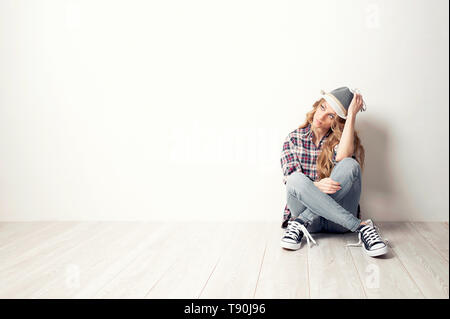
x=324 y=161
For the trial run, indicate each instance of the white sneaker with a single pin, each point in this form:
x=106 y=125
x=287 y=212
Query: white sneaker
x=368 y=235
x=292 y=238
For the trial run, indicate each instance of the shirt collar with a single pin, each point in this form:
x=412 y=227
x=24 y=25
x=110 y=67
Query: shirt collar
x=307 y=133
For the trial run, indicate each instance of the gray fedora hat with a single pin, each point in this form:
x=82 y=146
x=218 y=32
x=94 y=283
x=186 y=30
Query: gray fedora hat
x=340 y=100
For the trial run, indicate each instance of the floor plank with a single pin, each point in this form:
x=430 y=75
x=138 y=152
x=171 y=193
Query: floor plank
x=148 y=235
x=284 y=273
x=425 y=265
x=332 y=272
x=384 y=276
x=139 y=276
x=26 y=247
x=13 y=232
x=92 y=265
x=197 y=257
x=23 y=279
x=436 y=234
x=236 y=273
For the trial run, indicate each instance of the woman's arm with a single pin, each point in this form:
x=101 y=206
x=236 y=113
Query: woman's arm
x=289 y=159
x=346 y=146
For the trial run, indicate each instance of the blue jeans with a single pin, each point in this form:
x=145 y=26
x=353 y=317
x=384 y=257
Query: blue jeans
x=337 y=212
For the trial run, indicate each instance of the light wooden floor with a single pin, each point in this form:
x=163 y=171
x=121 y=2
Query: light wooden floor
x=205 y=260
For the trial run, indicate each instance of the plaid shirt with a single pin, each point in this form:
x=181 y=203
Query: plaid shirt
x=300 y=154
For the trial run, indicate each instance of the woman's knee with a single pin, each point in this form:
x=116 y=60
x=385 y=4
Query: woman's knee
x=349 y=165
x=296 y=182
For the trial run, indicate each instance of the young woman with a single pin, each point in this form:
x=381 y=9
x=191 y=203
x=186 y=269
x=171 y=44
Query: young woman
x=322 y=162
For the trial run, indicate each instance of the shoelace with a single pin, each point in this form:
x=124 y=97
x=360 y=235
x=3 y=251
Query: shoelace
x=371 y=235
x=295 y=227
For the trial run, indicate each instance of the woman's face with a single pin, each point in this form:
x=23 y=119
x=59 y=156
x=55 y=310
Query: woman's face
x=324 y=116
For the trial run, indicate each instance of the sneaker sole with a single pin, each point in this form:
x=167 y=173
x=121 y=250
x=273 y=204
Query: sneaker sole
x=290 y=246
x=377 y=252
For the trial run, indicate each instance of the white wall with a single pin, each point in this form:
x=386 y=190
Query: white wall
x=160 y=110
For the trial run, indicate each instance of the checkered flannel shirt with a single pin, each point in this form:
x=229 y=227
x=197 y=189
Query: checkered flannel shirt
x=300 y=154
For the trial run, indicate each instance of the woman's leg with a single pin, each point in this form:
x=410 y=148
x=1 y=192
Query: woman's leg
x=301 y=189
x=350 y=200
x=305 y=214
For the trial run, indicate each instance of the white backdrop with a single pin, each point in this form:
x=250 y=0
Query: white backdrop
x=177 y=110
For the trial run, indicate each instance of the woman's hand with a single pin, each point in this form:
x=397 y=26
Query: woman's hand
x=328 y=186
x=355 y=105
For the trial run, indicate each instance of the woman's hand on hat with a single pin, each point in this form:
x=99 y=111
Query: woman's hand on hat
x=355 y=105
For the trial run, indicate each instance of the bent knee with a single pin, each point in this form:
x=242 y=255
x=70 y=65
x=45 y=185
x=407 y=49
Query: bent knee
x=296 y=181
x=350 y=164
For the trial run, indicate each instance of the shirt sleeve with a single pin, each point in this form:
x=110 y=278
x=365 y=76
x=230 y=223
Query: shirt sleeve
x=289 y=158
